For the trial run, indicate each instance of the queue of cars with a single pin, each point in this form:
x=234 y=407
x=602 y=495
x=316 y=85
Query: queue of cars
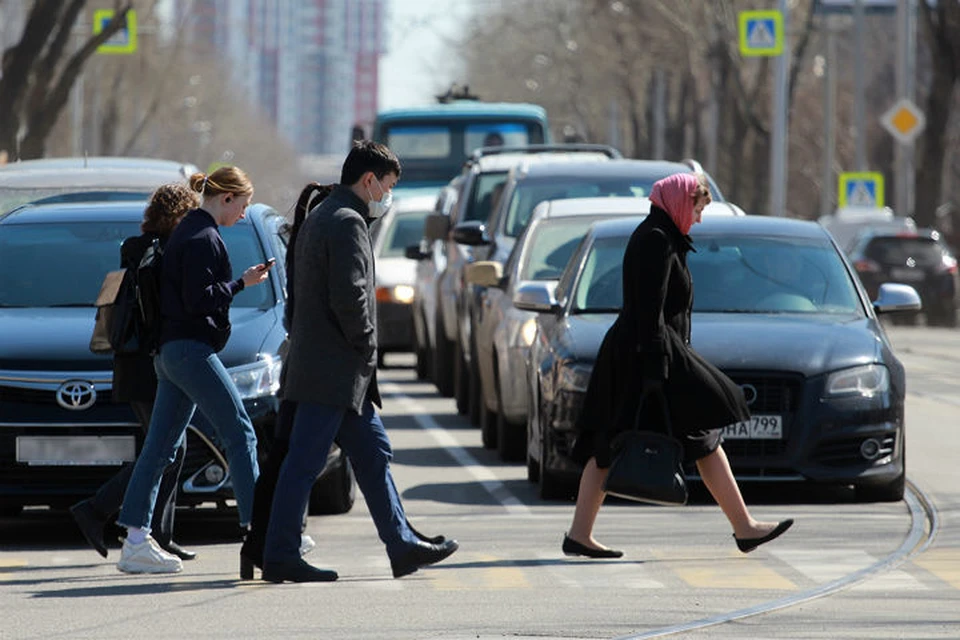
x=61 y=435
x=533 y=279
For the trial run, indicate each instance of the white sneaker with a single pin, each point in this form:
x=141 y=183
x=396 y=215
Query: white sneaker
x=306 y=544
x=147 y=557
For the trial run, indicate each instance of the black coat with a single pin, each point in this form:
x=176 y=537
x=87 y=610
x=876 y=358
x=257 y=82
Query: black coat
x=134 y=379
x=651 y=339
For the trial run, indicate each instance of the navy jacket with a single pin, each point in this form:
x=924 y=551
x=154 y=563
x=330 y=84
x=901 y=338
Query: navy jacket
x=197 y=284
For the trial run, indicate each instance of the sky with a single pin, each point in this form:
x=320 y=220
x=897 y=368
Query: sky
x=418 y=64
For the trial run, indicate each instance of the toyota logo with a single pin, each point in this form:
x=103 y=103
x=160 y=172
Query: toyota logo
x=749 y=393
x=76 y=395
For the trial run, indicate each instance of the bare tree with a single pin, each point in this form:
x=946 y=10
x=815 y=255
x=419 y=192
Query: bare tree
x=38 y=73
x=941 y=26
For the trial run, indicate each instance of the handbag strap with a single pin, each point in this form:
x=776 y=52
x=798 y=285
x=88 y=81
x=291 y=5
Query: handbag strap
x=662 y=401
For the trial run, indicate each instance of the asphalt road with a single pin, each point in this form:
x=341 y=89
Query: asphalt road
x=846 y=570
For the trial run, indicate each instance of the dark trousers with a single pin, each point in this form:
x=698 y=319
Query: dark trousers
x=108 y=498
x=267 y=483
x=364 y=439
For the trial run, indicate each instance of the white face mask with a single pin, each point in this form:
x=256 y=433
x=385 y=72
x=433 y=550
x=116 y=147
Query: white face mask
x=379 y=207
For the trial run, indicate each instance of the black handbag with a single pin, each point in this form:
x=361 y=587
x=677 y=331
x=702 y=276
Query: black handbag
x=647 y=465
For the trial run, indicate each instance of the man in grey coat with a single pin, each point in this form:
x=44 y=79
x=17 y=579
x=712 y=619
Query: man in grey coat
x=331 y=373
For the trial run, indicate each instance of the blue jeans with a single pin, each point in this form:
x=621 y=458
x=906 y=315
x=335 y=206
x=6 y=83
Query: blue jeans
x=191 y=376
x=364 y=440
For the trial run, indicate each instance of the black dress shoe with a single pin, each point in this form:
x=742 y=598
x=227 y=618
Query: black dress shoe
x=573 y=548
x=421 y=555
x=298 y=571
x=175 y=549
x=426 y=538
x=91 y=525
x=749 y=544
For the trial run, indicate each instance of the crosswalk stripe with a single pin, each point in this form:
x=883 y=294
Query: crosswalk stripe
x=727 y=572
x=824 y=565
x=944 y=563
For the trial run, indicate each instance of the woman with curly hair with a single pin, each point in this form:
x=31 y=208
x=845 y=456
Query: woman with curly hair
x=135 y=381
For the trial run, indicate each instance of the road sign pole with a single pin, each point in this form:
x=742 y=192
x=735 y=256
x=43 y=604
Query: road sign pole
x=906 y=61
x=778 y=146
x=859 y=91
x=829 y=112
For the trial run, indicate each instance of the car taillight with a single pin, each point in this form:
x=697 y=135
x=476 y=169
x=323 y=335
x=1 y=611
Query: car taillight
x=866 y=266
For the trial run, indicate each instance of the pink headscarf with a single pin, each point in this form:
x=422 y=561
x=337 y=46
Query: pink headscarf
x=676 y=195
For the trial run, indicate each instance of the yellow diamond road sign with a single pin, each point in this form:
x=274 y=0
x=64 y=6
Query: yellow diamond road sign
x=904 y=121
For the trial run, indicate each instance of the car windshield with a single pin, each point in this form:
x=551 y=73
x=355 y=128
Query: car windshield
x=735 y=274
x=63 y=264
x=549 y=249
x=529 y=193
x=899 y=251
x=405 y=230
x=437 y=141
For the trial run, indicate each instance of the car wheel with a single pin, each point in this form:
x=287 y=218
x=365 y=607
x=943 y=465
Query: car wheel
x=335 y=492
x=551 y=487
x=443 y=361
x=461 y=383
x=488 y=426
x=890 y=492
x=511 y=437
x=533 y=469
x=423 y=357
x=474 y=399
x=511 y=440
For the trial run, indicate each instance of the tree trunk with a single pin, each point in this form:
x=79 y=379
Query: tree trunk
x=933 y=150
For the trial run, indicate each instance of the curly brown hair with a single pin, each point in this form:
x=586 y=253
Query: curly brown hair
x=168 y=204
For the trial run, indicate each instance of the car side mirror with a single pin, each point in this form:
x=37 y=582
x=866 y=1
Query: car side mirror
x=414 y=253
x=436 y=226
x=896 y=297
x=538 y=296
x=472 y=233
x=485 y=273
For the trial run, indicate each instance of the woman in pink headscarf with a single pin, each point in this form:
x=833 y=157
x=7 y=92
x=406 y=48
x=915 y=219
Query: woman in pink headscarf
x=647 y=349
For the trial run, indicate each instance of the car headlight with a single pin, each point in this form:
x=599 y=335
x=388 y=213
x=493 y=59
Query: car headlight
x=866 y=381
x=402 y=294
x=262 y=378
x=575 y=377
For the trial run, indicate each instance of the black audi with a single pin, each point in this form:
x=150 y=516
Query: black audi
x=61 y=435
x=779 y=309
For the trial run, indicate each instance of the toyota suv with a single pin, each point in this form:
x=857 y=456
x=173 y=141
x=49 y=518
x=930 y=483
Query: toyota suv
x=61 y=434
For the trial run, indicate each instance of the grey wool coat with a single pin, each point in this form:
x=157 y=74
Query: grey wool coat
x=333 y=337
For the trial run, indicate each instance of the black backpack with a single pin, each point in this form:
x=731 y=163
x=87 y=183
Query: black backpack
x=134 y=321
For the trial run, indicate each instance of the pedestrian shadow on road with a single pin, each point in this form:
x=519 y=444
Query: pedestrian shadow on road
x=526 y=563
x=470 y=492
x=156 y=586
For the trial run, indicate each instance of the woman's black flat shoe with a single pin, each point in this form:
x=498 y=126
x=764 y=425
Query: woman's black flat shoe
x=749 y=544
x=573 y=548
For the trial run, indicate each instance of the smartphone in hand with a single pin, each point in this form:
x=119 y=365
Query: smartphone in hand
x=269 y=263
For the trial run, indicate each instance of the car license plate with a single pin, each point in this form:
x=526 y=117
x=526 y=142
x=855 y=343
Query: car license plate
x=906 y=275
x=756 y=428
x=58 y=451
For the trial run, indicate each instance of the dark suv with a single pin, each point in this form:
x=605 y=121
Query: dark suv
x=61 y=435
x=917 y=258
x=471 y=196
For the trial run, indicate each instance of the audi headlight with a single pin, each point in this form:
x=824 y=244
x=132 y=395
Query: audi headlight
x=262 y=378
x=866 y=381
x=575 y=377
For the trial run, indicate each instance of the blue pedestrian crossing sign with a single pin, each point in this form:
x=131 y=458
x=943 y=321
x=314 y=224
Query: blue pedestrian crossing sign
x=124 y=40
x=761 y=33
x=862 y=189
